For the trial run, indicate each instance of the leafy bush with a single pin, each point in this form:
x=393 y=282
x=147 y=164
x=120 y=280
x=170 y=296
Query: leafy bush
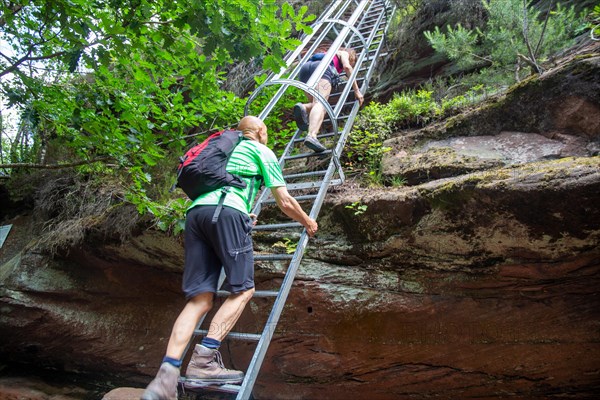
x=124 y=85
x=376 y=122
x=594 y=23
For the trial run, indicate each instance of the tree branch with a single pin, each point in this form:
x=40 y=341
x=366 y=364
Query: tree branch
x=528 y=61
x=543 y=29
x=55 y=166
x=525 y=32
x=15 y=9
x=27 y=57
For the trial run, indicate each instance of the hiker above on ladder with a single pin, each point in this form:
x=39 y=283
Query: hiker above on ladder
x=309 y=117
x=222 y=239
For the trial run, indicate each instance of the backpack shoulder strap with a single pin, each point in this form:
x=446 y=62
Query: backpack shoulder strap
x=219 y=208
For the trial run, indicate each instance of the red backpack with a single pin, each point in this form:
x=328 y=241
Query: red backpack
x=202 y=168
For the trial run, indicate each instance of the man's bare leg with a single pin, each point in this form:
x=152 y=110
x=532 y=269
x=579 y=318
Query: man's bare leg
x=228 y=314
x=186 y=323
x=204 y=365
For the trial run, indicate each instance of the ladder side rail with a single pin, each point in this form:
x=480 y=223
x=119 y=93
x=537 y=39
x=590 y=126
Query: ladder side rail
x=334 y=164
x=363 y=54
x=373 y=64
x=245 y=389
x=269 y=330
x=266 y=337
x=342 y=140
x=341 y=102
x=337 y=151
x=370 y=23
x=370 y=70
x=335 y=159
x=314 y=212
x=346 y=91
x=262 y=347
x=391 y=8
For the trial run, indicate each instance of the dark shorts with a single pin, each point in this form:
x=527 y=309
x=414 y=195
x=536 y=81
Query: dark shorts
x=307 y=70
x=209 y=246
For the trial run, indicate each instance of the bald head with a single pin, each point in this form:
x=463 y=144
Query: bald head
x=253 y=128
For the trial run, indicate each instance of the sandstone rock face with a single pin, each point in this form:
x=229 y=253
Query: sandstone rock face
x=478 y=280
x=552 y=117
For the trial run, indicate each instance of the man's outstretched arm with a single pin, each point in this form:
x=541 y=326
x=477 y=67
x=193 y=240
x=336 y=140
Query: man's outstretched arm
x=292 y=209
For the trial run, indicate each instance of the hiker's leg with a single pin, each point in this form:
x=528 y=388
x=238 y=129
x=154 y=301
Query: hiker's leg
x=206 y=364
x=187 y=322
x=228 y=314
x=317 y=113
x=308 y=106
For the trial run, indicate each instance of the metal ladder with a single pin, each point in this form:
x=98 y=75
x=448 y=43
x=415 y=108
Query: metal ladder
x=358 y=24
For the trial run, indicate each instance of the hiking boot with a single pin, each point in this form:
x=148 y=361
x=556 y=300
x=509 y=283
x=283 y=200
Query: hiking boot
x=314 y=144
x=164 y=385
x=301 y=116
x=207 y=366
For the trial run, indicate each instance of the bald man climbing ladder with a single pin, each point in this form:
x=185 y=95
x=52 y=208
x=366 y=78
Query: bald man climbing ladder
x=227 y=243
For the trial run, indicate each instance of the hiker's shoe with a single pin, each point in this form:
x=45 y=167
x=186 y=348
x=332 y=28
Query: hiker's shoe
x=207 y=366
x=164 y=385
x=314 y=144
x=301 y=116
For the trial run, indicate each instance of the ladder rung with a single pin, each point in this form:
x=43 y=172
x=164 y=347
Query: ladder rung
x=322 y=136
x=193 y=384
x=304 y=174
x=253 y=337
x=298 y=198
x=304 y=185
x=272 y=257
x=257 y=294
x=311 y=185
x=271 y=227
x=306 y=155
